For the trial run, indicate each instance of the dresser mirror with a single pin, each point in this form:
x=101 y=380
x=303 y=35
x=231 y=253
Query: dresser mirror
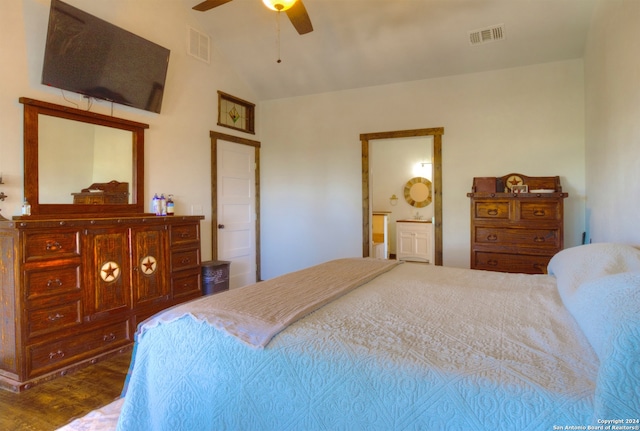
x=72 y=156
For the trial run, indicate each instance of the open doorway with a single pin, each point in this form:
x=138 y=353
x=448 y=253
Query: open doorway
x=365 y=139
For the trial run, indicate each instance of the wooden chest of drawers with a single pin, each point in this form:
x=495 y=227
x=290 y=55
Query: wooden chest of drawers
x=73 y=291
x=517 y=232
x=185 y=260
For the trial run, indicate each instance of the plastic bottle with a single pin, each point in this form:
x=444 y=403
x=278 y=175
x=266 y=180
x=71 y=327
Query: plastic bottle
x=170 y=205
x=155 y=204
x=26 y=208
x=163 y=205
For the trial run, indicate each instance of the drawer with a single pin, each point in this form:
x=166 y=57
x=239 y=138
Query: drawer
x=186 y=284
x=44 y=358
x=88 y=199
x=186 y=259
x=54 y=318
x=505 y=262
x=53 y=281
x=491 y=210
x=187 y=233
x=413 y=226
x=44 y=245
x=540 y=210
x=545 y=239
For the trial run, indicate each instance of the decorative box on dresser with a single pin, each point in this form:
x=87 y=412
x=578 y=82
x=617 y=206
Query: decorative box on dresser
x=516 y=229
x=73 y=290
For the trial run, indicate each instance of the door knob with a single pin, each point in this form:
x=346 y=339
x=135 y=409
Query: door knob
x=220 y=226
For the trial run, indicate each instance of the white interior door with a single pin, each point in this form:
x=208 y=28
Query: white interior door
x=237 y=211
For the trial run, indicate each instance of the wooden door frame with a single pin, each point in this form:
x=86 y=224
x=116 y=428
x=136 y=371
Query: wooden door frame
x=214 y=191
x=437 y=133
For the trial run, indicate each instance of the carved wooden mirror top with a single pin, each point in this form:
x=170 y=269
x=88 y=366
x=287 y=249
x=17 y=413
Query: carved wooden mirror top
x=67 y=149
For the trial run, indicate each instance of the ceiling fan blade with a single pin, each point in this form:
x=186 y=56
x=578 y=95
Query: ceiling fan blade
x=209 y=4
x=299 y=18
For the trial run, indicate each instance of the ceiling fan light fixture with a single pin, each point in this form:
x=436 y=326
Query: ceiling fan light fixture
x=279 y=5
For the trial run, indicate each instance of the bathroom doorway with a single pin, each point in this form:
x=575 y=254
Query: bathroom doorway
x=436 y=159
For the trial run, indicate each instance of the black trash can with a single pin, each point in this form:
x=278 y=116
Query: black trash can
x=215 y=276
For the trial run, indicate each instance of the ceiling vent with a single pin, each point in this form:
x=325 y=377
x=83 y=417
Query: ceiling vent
x=488 y=34
x=199 y=45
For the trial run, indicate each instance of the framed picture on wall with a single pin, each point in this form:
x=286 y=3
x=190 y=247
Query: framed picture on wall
x=523 y=188
x=235 y=113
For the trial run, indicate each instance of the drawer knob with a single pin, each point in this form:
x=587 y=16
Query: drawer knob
x=492 y=262
x=539 y=239
x=184 y=235
x=539 y=213
x=54 y=317
x=185 y=260
x=492 y=237
x=54 y=283
x=109 y=337
x=56 y=355
x=492 y=212
x=53 y=246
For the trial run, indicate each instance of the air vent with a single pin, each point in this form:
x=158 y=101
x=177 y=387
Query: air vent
x=199 y=45
x=488 y=34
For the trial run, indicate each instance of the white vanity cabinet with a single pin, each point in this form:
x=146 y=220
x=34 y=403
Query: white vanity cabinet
x=414 y=240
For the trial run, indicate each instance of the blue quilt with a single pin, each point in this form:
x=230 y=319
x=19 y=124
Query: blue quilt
x=419 y=347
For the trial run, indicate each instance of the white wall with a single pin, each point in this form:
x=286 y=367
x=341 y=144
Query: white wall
x=177 y=144
x=612 y=94
x=528 y=120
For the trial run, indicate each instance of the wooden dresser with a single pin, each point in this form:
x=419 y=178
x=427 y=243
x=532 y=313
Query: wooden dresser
x=73 y=290
x=516 y=229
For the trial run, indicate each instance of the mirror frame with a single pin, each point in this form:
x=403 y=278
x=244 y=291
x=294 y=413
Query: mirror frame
x=410 y=185
x=33 y=108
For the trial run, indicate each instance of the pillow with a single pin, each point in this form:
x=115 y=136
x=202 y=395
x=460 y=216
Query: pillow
x=600 y=286
x=573 y=266
x=605 y=306
x=608 y=311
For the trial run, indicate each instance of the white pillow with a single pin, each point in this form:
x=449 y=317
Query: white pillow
x=606 y=306
x=573 y=266
x=600 y=286
x=608 y=311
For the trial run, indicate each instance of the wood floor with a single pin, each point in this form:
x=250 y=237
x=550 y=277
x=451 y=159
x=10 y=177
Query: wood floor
x=55 y=403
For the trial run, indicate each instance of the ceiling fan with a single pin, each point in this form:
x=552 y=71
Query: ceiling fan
x=295 y=10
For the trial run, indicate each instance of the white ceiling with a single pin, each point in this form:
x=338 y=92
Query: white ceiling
x=360 y=43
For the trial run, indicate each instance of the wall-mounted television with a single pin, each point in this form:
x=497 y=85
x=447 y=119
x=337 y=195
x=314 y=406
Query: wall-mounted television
x=90 y=56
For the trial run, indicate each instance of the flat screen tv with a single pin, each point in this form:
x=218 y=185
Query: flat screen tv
x=90 y=56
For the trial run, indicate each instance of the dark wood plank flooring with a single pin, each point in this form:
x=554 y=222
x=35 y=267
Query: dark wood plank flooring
x=52 y=404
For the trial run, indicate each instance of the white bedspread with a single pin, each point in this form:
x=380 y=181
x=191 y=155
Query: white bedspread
x=419 y=347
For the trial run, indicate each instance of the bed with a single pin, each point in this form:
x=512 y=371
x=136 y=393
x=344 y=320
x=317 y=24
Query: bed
x=397 y=346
